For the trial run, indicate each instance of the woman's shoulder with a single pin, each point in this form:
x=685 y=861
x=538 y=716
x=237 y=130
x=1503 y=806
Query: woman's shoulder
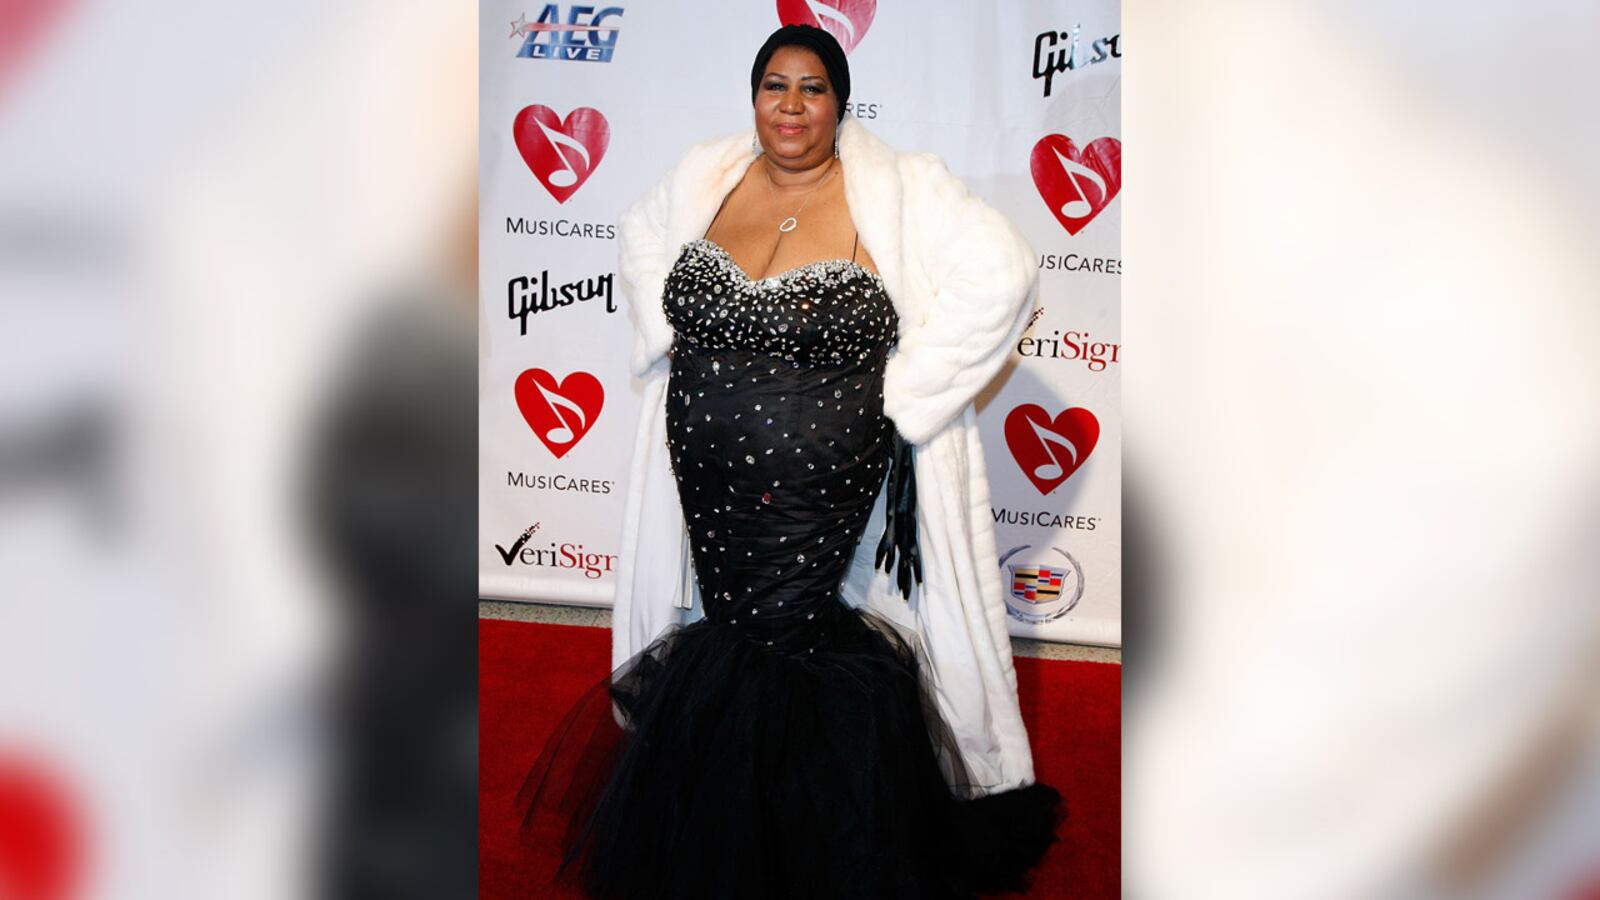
x=868 y=147
x=929 y=189
x=688 y=174
x=962 y=221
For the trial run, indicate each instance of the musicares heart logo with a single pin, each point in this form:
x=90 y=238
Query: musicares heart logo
x=42 y=851
x=560 y=414
x=562 y=155
x=24 y=24
x=1049 y=451
x=846 y=20
x=1076 y=184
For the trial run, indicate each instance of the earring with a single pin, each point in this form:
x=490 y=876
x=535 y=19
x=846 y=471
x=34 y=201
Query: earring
x=755 y=143
x=836 y=144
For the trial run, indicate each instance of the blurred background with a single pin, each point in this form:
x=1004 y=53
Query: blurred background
x=237 y=434
x=1361 y=313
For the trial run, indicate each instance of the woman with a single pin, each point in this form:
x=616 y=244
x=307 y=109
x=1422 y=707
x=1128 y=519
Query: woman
x=810 y=307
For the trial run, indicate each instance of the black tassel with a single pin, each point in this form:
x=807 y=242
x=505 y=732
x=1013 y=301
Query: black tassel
x=900 y=519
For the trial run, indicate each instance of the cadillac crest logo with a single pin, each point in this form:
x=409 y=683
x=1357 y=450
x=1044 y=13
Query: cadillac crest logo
x=1040 y=587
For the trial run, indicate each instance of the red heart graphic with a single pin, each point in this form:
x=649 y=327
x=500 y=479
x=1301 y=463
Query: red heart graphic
x=41 y=832
x=562 y=155
x=1076 y=184
x=560 y=414
x=1048 y=452
x=846 y=20
x=23 y=25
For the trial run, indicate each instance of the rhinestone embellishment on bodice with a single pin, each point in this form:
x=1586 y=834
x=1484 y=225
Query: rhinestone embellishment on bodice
x=827 y=311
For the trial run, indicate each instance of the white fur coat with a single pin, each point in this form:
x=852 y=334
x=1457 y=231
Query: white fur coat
x=961 y=278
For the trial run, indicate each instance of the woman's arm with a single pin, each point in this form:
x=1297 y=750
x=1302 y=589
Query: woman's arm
x=642 y=265
x=982 y=272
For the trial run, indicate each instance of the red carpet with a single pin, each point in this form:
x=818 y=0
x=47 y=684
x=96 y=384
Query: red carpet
x=529 y=675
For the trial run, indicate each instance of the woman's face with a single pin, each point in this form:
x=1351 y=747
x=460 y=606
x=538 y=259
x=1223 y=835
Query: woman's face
x=797 y=111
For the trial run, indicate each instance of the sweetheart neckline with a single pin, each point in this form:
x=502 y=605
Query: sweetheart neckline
x=786 y=272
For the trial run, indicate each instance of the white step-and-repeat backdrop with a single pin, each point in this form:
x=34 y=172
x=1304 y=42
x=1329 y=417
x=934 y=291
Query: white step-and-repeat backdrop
x=583 y=107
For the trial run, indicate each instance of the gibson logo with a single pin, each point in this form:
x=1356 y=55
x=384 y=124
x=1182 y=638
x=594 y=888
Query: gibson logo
x=527 y=295
x=1047 y=60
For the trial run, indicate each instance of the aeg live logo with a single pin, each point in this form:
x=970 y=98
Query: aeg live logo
x=579 y=39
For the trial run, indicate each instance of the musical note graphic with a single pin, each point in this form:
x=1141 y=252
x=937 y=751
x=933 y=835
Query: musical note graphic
x=1051 y=470
x=565 y=177
x=560 y=411
x=822 y=11
x=1049 y=449
x=563 y=434
x=1077 y=209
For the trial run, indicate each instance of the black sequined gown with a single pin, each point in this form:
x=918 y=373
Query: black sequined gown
x=785 y=745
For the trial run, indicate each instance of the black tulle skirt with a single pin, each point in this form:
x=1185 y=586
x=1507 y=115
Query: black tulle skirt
x=711 y=766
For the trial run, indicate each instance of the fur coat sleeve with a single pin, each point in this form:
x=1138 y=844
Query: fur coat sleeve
x=961 y=278
x=975 y=276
